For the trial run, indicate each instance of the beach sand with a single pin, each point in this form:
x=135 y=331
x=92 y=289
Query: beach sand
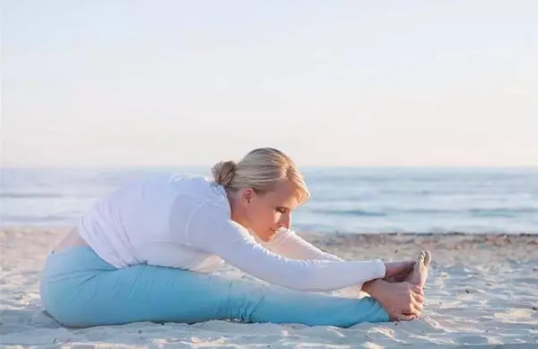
x=482 y=291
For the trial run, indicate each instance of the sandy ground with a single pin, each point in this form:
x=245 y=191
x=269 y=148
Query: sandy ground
x=482 y=291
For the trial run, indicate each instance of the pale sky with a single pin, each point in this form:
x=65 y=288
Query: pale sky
x=346 y=83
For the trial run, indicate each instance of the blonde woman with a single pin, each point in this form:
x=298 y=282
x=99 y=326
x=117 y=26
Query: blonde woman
x=147 y=252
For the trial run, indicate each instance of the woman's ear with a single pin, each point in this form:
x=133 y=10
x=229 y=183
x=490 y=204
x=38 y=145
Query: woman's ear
x=247 y=194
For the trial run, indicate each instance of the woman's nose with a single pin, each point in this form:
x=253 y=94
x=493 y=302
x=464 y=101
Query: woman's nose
x=285 y=221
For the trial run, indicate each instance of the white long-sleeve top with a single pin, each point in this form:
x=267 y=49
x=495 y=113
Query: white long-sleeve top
x=186 y=223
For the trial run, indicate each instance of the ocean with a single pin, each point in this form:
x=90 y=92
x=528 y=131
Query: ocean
x=348 y=200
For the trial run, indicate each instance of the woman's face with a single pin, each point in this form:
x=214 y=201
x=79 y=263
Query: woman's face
x=267 y=212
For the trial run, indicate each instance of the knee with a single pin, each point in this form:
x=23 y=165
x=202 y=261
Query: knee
x=244 y=297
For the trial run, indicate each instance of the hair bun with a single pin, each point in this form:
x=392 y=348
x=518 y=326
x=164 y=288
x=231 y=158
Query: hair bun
x=224 y=172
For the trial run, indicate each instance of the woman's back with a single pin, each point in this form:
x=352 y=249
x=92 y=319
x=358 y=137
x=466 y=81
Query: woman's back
x=132 y=224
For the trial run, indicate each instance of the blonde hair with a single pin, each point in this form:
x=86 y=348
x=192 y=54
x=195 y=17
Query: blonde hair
x=261 y=169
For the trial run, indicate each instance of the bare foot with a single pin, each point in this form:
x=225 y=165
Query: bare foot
x=420 y=270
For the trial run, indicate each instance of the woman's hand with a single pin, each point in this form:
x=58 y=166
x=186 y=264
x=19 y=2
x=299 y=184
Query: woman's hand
x=403 y=301
x=398 y=271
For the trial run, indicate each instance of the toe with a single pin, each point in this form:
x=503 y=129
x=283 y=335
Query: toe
x=427 y=257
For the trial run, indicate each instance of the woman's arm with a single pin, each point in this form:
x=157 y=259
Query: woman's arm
x=209 y=231
x=291 y=245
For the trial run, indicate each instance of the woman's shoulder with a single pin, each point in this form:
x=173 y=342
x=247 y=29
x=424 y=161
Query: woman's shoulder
x=197 y=199
x=198 y=188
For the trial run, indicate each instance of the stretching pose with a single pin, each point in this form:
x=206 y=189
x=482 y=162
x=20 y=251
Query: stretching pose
x=148 y=252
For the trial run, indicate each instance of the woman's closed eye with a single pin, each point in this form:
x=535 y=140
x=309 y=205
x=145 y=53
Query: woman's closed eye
x=281 y=209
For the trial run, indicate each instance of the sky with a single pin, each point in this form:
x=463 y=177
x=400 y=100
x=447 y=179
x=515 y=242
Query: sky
x=331 y=83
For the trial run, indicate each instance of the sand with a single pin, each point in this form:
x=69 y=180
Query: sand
x=482 y=291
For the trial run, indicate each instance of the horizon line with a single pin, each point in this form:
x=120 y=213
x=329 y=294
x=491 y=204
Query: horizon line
x=200 y=166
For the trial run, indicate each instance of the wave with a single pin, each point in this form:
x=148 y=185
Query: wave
x=10 y=219
x=478 y=212
x=43 y=196
x=350 y=212
x=501 y=212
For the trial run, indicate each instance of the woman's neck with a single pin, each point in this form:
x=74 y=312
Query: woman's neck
x=237 y=213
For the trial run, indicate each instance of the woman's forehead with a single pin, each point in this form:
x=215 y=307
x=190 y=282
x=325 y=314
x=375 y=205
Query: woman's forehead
x=286 y=191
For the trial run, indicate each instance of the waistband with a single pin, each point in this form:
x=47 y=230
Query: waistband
x=70 y=250
x=73 y=261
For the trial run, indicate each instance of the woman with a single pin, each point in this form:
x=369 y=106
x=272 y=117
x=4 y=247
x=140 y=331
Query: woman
x=147 y=251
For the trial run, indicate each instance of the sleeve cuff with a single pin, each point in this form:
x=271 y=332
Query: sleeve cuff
x=381 y=269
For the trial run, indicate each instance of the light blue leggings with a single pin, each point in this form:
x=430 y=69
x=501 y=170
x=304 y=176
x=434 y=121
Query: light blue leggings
x=79 y=289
